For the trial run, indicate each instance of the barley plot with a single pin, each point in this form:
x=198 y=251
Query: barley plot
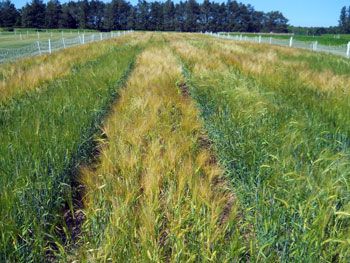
x=43 y=137
x=213 y=151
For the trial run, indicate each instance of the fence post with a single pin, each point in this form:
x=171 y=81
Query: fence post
x=93 y=38
x=83 y=38
x=348 y=51
x=315 y=46
x=291 y=41
x=259 y=39
x=240 y=37
x=270 y=40
x=38 y=34
x=49 y=46
x=20 y=36
x=100 y=36
x=39 y=47
x=64 y=43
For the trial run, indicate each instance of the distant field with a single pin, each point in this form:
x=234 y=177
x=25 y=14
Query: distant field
x=22 y=38
x=338 y=36
x=170 y=147
x=329 y=40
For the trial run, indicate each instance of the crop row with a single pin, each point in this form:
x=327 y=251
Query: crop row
x=284 y=142
x=44 y=136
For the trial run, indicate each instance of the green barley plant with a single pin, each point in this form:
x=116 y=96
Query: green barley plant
x=285 y=146
x=44 y=136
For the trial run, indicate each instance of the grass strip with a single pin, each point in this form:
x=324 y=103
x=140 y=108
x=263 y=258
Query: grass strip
x=43 y=139
x=156 y=194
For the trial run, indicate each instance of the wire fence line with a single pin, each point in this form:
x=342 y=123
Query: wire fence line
x=342 y=50
x=47 y=47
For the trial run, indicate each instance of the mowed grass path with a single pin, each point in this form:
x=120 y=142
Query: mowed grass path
x=44 y=136
x=283 y=135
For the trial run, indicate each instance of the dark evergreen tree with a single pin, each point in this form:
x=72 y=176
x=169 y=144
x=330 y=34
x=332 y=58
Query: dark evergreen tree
x=186 y=16
x=108 y=22
x=156 y=16
x=8 y=14
x=131 y=24
x=142 y=16
x=53 y=14
x=69 y=16
x=168 y=16
x=180 y=9
x=83 y=12
x=275 y=22
x=95 y=16
x=192 y=13
x=343 y=20
x=33 y=14
x=347 y=22
x=233 y=12
x=205 y=15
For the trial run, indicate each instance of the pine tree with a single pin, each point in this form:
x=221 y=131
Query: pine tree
x=343 y=20
x=53 y=14
x=275 y=22
x=156 y=19
x=131 y=23
x=192 y=12
x=8 y=14
x=347 y=22
x=205 y=14
x=180 y=10
x=168 y=16
x=83 y=13
x=95 y=15
x=69 y=16
x=142 y=15
x=33 y=14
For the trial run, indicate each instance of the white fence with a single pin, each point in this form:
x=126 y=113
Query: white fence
x=47 y=47
x=342 y=50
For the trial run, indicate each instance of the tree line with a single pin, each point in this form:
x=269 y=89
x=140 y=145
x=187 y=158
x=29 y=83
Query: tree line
x=185 y=16
x=344 y=21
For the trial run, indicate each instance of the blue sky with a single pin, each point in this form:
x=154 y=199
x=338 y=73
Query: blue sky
x=304 y=12
x=299 y=12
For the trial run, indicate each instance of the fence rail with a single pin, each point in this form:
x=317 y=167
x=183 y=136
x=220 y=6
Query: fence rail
x=47 y=47
x=342 y=50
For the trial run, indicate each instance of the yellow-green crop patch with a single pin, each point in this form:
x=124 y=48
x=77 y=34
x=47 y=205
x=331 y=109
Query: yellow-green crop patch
x=214 y=151
x=284 y=140
x=44 y=136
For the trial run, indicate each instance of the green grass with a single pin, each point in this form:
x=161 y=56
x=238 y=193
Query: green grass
x=285 y=148
x=324 y=39
x=339 y=36
x=14 y=41
x=44 y=136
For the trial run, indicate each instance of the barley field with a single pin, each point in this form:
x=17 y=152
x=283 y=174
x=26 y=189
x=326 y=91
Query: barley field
x=170 y=147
